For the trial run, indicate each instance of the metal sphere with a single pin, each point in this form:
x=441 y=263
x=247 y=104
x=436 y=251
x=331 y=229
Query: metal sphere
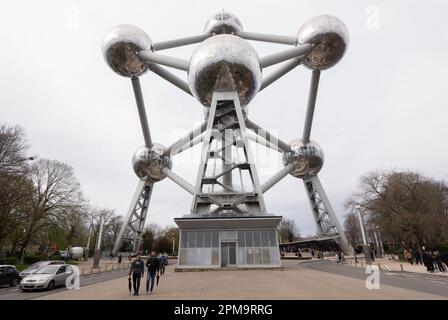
x=223 y=22
x=121 y=46
x=308 y=158
x=224 y=63
x=330 y=38
x=149 y=162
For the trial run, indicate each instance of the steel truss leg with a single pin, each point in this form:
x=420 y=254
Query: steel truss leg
x=134 y=224
x=323 y=214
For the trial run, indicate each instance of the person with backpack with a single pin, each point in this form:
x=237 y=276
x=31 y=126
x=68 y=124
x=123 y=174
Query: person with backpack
x=137 y=271
x=153 y=265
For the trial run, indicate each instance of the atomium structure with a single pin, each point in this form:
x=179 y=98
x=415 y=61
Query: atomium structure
x=229 y=224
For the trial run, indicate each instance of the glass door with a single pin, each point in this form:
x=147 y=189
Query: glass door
x=228 y=254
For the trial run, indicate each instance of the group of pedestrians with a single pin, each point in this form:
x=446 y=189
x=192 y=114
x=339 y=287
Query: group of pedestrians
x=156 y=267
x=433 y=260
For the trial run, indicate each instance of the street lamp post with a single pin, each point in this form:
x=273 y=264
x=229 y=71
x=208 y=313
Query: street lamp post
x=365 y=245
x=97 y=254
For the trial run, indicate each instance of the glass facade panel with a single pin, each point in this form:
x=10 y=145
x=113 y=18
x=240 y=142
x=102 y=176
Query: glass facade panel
x=275 y=258
x=242 y=257
x=207 y=256
x=250 y=255
x=191 y=239
x=183 y=257
x=257 y=239
x=241 y=239
x=215 y=256
x=257 y=253
x=249 y=241
x=207 y=239
x=272 y=238
x=215 y=239
x=264 y=239
x=200 y=239
x=184 y=239
x=266 y=256
x=199 y=257
x=191 y=257
x=228 y=235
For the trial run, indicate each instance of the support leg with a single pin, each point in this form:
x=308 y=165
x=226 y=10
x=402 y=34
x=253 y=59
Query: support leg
x=132 y=228
x=326 y=221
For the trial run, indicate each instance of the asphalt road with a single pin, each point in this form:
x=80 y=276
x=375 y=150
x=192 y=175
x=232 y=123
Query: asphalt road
x=8 y=293
x=428 y=283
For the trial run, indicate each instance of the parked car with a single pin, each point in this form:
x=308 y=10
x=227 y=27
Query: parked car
x=48 y=277
x=9 y=276
x=35 y=266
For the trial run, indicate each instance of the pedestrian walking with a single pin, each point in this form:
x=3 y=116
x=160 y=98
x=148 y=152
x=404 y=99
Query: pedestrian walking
x=119 y=258
x=153 y=265
x=137 y=271
x=163 y=262
x=438 y=261
x=312 y=253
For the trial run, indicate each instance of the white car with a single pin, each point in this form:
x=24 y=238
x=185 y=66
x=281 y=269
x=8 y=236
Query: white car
x=47 y=277
x=36 y=266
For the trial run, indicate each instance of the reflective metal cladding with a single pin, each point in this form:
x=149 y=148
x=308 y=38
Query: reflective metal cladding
x=121 y=46
x=223 y=22
x=149 y=162
x=330 y=37
x=223 y=63
x=308 y=158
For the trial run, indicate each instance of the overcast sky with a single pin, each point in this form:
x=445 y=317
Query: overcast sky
x=385 y=105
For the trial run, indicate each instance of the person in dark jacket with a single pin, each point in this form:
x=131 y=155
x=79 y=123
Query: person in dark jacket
x=153 y=265
x=137 y=271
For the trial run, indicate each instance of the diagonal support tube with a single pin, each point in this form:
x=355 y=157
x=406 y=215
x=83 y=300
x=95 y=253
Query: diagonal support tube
x=280 y=72
x=284 y=55
x=141 y=110
x=176 y=63
x=170 y=77
x=312 y=96
x=277 y=177
x=283 y=146
x=178 y=180
x=179 y=42
x=177 y=146
x=267 y=38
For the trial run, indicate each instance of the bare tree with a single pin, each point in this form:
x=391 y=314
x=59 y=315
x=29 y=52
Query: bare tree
x=13 y=147
x=56 y=191
x=15 y=186
x=288 y=230
x=408 y=207
x=352 y=229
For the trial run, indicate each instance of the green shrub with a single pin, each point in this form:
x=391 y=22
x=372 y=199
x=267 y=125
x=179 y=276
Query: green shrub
x=33 y=259
x=9 y=260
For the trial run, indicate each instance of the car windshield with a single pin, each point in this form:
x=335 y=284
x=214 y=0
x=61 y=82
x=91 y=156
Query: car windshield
x=35 y=266
x=50 y=269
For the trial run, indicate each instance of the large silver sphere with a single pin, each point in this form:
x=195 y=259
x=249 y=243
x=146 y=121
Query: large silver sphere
x=330 y=37
x=223 y=22
x=308 y=158
x=149 y=162
x=121 y=46
x=224 y=62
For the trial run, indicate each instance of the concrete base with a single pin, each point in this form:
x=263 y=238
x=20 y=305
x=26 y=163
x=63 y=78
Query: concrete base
x=180 y=269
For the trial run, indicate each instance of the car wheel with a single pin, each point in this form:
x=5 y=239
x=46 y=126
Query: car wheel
x=50 y=285
x=13 y=283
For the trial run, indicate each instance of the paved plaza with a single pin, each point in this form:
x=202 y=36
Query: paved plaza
x=307 y=280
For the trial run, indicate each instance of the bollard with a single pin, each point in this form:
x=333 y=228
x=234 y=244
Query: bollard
x=379 y=266
x=401 y=267
x=362 y=266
